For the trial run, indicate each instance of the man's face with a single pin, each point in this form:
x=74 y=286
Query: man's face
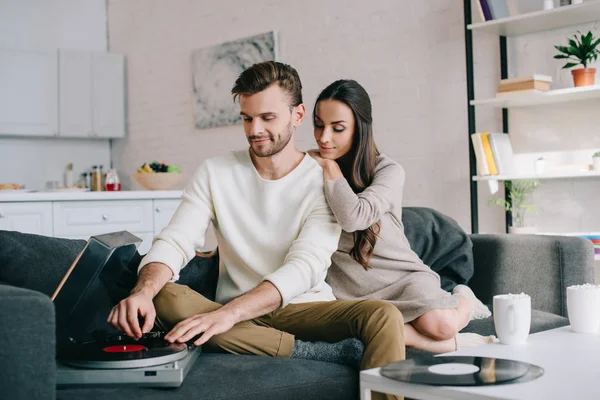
x=268 y=121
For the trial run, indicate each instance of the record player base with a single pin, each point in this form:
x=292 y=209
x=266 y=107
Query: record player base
x=569 y=361
x=170 y=374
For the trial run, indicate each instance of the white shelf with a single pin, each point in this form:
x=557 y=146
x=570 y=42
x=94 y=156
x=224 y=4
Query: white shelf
x=548 y=175
x=541 y=20
x=541 y=98
x=597 y=257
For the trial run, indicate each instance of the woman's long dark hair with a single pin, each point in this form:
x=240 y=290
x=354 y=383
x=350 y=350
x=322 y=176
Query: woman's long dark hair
x=358 y=166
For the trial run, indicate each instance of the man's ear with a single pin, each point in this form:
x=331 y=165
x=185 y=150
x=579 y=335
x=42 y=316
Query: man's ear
x=299 y=114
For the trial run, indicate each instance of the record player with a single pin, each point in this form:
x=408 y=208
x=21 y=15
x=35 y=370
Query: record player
x=88 y=357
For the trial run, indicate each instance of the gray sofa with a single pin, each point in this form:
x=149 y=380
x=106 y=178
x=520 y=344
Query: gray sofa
x=31 y=267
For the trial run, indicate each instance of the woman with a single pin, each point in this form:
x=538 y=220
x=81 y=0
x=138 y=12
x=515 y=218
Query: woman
x=374 y=258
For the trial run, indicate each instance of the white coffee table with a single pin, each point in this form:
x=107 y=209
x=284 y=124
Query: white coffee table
x=571 y=364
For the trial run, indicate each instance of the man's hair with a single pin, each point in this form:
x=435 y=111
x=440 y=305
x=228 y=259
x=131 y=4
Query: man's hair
x=262 y=75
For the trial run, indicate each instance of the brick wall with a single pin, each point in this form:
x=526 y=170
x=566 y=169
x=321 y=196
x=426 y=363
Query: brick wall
x=408 y=55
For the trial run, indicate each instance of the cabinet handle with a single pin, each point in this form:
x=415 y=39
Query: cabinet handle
x=158 y=209
x=2 y=215
x=105 y=217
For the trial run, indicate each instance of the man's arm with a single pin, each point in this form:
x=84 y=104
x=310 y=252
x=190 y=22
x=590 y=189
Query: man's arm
x=171 y=250
x=257 y=302
x=304 y=267
x=124 y=316
x=309 y=257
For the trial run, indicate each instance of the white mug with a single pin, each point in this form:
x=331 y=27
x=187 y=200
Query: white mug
x=583 y=305
x=512 y=317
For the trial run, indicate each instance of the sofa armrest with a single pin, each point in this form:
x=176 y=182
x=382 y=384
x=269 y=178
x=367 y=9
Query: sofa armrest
x=27 y=354
x=539 y=265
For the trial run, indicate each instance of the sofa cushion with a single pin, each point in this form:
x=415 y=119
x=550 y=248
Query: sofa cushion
x=440 y=243
x=35 y=262
x=226 y=376
x=39 y=263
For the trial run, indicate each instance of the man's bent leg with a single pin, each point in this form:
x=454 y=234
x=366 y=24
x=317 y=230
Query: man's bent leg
x=377 y=323
x=175 y=302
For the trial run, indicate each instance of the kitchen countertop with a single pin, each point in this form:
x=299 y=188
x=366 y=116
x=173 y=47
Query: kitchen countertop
x=78 y=196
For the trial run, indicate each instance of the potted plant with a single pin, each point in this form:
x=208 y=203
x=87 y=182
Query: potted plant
x=596 y=158
x=517 y=193
x=583 y=50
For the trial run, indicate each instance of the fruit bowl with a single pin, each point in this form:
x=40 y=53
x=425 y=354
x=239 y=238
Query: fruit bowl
x=157 y=180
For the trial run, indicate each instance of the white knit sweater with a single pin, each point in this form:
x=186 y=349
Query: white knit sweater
x=279 y=230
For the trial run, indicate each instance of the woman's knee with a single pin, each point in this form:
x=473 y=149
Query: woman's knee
x=438 y=324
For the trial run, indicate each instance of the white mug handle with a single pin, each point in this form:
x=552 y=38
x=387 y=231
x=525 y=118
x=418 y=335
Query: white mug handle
x=512 y=316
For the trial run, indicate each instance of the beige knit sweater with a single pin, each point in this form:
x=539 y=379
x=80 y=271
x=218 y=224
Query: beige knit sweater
x=397 y=274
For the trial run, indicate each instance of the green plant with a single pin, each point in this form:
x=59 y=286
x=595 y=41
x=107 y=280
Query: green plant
x=596 y=154
x=517 y=193
x=583 y=49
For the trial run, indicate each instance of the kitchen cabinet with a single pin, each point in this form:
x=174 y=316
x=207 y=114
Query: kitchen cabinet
x=108 y=95
x=33 y=218
x=91 y=94
x=29 y=92
x=81 y=215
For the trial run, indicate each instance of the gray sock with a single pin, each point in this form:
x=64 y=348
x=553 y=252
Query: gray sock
x=347 y=352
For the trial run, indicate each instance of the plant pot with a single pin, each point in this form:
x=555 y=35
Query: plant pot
x=596 y=163
x=522 y=230
x=584 y=76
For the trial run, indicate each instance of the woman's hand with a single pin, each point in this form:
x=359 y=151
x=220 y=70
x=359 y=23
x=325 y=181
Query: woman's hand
x=317 y=156
x=331 y=169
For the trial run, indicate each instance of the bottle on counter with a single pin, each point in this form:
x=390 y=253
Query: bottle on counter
x=112 y=182
x=69 y=182
x=102 y=175
x=96 y=179
x=85 y=181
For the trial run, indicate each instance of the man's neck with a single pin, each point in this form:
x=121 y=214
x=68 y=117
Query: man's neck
x=278 y=165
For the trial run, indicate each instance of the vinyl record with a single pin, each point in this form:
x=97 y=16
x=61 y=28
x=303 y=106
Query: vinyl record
x=123 y=352
x=460 y=371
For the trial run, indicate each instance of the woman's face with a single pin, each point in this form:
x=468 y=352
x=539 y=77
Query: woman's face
x=334 y=128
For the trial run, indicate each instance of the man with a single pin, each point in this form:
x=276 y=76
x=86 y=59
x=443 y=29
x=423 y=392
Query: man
x=275 y=234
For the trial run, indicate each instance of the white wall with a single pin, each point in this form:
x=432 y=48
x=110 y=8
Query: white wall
x=409 y=55
x=50 y=24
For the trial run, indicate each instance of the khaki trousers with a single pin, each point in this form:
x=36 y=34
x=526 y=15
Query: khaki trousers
x=378 y=324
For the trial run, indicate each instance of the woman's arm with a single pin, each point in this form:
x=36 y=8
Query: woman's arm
x=356 y=212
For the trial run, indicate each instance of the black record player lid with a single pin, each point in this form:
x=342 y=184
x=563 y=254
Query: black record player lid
x=100 y=263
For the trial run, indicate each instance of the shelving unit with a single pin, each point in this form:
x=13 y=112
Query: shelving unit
x=523 y=24
x=541 y=98
x=549 y=175
x=540 y=21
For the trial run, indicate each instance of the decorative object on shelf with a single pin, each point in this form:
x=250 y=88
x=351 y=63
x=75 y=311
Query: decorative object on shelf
x=524 y=84
x=548 y=4
x=539 y=165
x=518 y=193
x=584 y=50
x=596 y=161
x=158 y=175
x=215 y=67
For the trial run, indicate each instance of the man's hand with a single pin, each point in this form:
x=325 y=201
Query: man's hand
x=124 y=316
x=208 y=324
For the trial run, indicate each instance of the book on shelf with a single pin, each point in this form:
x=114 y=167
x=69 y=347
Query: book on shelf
x=498 y=8
x=484 y=10
x=524 y=84
x=493 y=153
